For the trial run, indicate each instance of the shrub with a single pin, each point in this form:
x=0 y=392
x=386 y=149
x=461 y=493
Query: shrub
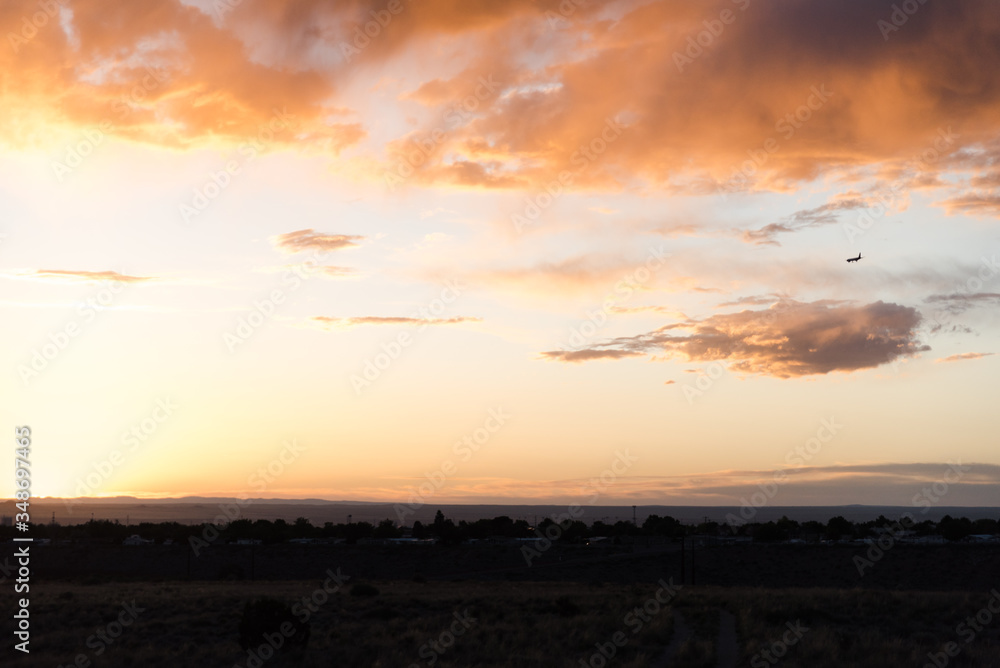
x=363 y=589
x=264 y=617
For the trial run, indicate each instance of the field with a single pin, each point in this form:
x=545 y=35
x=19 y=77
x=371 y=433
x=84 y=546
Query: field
x=509 y=624
x=415 y=606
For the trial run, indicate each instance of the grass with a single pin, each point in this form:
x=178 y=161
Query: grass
x=547 y=624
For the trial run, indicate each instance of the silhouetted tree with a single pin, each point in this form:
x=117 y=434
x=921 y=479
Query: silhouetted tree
x=661 y=526
x=386 y=529
x=954 y=529
x=768 y=532
x=985 y=526
x=302 y=528
x=838 y=527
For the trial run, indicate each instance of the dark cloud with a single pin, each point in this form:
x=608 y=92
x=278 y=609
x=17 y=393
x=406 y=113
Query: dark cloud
x=787 y=340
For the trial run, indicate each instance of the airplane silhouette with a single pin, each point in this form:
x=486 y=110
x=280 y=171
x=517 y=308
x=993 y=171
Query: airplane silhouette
x=854 y=259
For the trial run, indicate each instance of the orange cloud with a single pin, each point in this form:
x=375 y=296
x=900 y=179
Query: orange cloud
x=612 y=95
x=89 y=276
x=963 y=356
x=588 y=355
x=169 y=75
x=306 y=240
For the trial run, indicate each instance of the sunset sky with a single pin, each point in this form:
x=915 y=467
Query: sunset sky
x=509 y=246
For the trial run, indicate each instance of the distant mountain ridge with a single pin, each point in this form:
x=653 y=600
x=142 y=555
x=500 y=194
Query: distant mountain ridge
x=199 y=509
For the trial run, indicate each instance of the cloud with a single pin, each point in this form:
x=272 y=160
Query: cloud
x=588 y=355
x=86 y=276
x=331 y=271
x=206 y=77
x=340 y=323
x=680 y=132
x=306 y=240
x=790 y=339
x=974 y=203
x=959 y=302
x=806 y=218
x=754 y=300
x=665 y=310
x=962 y=356
x=173 y=77
x=887 y=483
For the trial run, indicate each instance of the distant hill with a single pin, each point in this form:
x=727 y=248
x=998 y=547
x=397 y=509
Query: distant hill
x=193 y=510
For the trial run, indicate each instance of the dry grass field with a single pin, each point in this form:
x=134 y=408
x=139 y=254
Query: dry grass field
x=507 y=624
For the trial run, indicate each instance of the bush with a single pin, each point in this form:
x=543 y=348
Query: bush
x=364 y=590
x=263 y=618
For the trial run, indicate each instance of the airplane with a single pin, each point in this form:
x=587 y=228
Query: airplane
x=854 y=259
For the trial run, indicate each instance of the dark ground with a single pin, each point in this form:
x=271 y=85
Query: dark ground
x=949 y=567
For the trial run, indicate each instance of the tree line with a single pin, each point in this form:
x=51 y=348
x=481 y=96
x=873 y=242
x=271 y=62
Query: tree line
x=449 y=532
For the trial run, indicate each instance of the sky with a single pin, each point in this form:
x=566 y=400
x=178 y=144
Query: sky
x=503 y=252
